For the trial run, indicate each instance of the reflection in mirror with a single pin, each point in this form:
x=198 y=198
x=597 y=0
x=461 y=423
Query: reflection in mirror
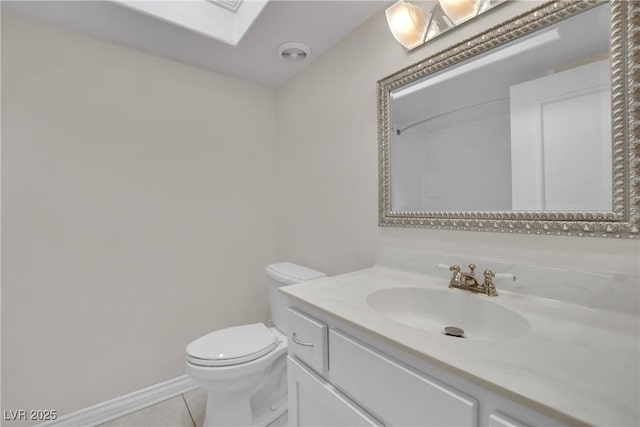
x=524 y=127
x=529 y=127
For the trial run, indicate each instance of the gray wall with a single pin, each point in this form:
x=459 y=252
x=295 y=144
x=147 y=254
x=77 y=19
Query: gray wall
x=327 y=151
x=138 y=214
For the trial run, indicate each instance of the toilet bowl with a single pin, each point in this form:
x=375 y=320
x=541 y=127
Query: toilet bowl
x=233 y=375
x=243 y=368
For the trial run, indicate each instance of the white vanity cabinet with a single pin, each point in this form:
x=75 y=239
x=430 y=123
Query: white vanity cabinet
x=338 y=376
x=315 y=402
x=399 y=395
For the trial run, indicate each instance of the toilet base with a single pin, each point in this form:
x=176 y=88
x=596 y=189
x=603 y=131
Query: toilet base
x=226 y=410
x=267 y=418
x=267 y=404
x=239 y=413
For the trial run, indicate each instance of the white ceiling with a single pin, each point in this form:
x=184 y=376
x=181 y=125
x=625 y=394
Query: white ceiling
x=319 y=24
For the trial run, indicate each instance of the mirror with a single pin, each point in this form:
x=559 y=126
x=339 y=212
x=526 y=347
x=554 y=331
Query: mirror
x=525 y=128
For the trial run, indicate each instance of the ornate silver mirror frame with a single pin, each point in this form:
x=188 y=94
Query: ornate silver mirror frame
x=623 y=221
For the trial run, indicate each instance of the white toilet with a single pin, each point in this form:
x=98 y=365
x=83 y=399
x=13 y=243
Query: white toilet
x=243 y=368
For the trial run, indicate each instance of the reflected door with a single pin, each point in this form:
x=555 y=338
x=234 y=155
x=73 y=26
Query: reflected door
x=561 y=140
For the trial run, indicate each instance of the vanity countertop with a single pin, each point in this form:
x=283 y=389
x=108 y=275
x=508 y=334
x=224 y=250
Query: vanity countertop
x=576 y=364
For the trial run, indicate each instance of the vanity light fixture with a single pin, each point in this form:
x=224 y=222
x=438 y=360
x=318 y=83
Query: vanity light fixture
x=460 y=10
x=412 y=27
x=407 y=23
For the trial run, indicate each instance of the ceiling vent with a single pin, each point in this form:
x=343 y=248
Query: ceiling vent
x=294 y=51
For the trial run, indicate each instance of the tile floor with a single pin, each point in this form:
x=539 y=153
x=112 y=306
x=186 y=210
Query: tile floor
x=186 y=410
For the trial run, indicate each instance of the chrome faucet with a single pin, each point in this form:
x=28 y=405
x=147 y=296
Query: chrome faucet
x=468 y=281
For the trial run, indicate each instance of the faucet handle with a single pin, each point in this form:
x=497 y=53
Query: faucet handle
x=443 y=267
x=455 y=268
x=488 y=274
x=510 y=276
x=472 y=269
x=489 y=287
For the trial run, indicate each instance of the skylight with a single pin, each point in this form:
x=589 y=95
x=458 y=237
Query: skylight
x=224 y=20
x=231 y=5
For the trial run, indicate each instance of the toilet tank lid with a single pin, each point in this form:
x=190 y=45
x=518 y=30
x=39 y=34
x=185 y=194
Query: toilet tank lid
x=289 y=273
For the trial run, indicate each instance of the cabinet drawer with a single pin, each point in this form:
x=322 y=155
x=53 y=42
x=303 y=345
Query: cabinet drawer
x=308 y=340
x=315 y=402
x=395 y=394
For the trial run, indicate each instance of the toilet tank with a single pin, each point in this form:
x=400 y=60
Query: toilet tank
x=281 y=274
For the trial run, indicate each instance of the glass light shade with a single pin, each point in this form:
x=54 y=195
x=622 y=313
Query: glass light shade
x=460 y=10
x=408 y=23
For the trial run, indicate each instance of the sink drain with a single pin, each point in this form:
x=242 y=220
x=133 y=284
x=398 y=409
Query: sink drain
x=454 y=332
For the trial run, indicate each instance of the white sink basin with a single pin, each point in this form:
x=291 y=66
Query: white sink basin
x=432 y=310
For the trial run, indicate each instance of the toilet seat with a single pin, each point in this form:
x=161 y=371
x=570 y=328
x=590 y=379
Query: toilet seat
x=232 y=346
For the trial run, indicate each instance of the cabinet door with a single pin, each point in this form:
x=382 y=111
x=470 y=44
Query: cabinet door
x=397 y=394
x=315 y=402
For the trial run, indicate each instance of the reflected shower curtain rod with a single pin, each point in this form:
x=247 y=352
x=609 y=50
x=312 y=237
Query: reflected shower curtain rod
x=495 y=101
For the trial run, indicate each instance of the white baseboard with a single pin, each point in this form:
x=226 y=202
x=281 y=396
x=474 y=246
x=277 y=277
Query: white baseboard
x=123 y=405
